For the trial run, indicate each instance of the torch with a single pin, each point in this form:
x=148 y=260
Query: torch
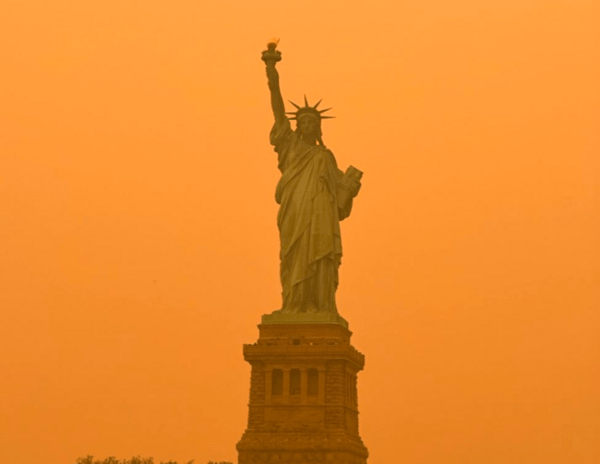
x=271 y=55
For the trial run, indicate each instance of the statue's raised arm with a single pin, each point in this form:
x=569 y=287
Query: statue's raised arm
x=270 y=57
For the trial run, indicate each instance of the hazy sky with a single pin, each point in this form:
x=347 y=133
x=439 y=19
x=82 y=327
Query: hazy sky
x=138 y=237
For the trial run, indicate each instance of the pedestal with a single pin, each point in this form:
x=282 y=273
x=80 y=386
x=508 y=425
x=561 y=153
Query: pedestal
x=303 y=396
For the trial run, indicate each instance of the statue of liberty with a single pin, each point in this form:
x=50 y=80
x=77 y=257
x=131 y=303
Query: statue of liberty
x=314 y=196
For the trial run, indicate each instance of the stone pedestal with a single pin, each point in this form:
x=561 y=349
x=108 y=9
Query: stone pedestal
x=303 y=396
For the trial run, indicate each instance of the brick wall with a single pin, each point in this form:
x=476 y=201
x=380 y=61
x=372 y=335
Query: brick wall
x=335 y=415
x=256 y=413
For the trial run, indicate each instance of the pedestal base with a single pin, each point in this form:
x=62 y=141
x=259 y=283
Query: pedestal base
x=278 y=317
x=303 y=396
x=299 y=448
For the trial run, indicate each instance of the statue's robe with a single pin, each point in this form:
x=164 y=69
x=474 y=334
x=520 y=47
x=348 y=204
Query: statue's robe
x=308 y=221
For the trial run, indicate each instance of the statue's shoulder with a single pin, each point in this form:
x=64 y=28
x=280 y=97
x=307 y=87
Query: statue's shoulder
x=327 y=152
x=329 y=156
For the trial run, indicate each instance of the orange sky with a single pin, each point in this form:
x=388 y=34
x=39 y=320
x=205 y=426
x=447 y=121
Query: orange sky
x=138 y=239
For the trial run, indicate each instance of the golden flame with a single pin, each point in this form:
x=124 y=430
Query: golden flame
x=272 y=43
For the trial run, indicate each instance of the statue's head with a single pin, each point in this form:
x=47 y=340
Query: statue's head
x=308 y=120
x=308 y=125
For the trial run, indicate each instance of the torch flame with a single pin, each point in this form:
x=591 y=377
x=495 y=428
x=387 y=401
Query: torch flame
x=272 y=43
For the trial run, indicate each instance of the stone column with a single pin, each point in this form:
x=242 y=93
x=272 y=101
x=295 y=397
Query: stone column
x=303 y=385
x=322 y=372
x=268 y=385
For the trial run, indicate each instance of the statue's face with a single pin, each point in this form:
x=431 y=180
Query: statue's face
x=308 y=125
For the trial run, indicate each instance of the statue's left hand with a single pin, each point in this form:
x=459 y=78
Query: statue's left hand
x=355 y=186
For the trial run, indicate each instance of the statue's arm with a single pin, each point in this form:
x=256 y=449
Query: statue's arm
x=276 y=98
x=348 y=187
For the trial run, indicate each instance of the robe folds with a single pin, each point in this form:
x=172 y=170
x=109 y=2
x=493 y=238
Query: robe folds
x=308 y=222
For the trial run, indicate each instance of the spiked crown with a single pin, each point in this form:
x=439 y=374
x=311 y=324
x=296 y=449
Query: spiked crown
x=307 y=109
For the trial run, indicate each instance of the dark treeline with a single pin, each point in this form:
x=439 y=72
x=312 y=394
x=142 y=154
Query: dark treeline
x=134 y=460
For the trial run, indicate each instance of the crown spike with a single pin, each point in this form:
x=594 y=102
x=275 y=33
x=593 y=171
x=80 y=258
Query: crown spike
x=298 y=107
x=307 y=109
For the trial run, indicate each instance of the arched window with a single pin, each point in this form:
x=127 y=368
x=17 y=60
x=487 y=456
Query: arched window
x=277 y=382
x=313 y=382
x=295 y=382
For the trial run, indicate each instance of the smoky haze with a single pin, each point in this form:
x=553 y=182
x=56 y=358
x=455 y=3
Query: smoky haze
x=138 y=237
